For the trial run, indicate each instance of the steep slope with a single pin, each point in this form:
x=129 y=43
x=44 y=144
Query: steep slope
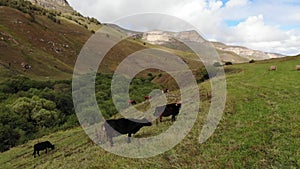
x=50 y=45
x=50 y=48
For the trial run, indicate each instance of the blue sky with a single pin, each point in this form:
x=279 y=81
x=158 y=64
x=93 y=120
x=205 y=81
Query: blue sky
x=267 y=25
x=232 y=23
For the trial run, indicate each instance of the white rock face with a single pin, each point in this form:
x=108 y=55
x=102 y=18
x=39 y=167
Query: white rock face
x=160 y=37
x=249 y=53
x=235 y=54
x=156 y=37
x=192 y=36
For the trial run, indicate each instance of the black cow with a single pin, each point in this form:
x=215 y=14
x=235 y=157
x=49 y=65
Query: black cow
x=116 y=127
x=167 y=110
x=42 y=146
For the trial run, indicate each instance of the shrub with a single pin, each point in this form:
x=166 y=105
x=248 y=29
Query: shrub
x=252 y=61
x=52 y=16
x=228 y=63
x=202 y=74
x=217 y=64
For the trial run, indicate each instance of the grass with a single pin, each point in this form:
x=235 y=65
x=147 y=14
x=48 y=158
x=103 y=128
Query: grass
x=259 y=129
x=36 y=43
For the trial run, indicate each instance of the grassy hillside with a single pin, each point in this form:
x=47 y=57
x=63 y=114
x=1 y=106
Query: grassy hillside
x=50 y=42
x=50 y=48
x=259 y=129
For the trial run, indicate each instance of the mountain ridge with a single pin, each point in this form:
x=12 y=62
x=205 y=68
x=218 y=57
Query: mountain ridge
x=163 y=37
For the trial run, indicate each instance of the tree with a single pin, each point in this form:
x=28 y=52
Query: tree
x=252 y=61
x=8 y=137
x=45 y=118
x=24 y=106
x=228 y=63
x=202 y=74
x=41 y=112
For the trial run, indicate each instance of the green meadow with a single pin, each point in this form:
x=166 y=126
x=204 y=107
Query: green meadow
x=259 y=129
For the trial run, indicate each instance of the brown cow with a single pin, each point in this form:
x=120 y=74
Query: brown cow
x=147 y=97
x=272 y=68
x=131 y=102
x=165 y=90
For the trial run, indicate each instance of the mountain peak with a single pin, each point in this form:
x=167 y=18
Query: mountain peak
x=57 y=5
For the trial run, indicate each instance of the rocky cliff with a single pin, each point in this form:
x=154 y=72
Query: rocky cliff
x=161 y=37
x=235 y=54
x=246 y=52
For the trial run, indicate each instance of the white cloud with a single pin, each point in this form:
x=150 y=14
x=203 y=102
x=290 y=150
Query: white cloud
x=254 y=29
x=236 y=3
x=255 y=34
x=265 y=25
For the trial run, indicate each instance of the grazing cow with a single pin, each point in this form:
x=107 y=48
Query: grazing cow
x=273 y=68
x=147 y=97
x=42 y=146
x=208 y=96
x=116 y=127
x=167 y=110
x=298 y=67
x=165 y=90
x=131 y=102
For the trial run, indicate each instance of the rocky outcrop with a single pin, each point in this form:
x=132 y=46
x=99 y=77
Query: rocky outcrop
x=57 y=5
x=236 y=54
x=161 y=37
x=157 y=37
x=247 y=53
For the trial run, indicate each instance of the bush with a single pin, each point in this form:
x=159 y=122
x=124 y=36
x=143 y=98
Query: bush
x=202 y=75
x=35 y=108
x=228 y=63
x=217 y=64
x=31 y=109
x=52 y=16
x=252 y=61
x=94 y=20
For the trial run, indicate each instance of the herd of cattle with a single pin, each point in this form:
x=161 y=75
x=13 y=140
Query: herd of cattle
x=133 y=102
x=273 y=68
x=116 y=127
x=121 y=126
